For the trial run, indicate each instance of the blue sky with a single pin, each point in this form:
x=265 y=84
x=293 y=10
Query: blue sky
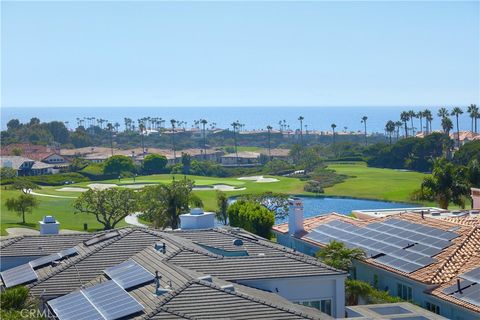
x=240 y=53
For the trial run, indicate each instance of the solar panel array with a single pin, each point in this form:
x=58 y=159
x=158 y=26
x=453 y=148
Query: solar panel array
x=468 y=289
x=129 y=274
x=400 y=244
x=26 y=272
x=106 y=300
x=101 y=238
x=18 y=275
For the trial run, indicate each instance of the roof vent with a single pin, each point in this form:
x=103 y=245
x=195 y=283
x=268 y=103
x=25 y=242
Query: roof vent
x=196 y=211
x=162 y=247
x=207 y=278
x=158 y=289
x=228 y=287
x=238 y=242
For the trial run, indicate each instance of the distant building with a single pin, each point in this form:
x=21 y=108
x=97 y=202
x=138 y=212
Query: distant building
x=476 y=198
x=432 y=262
x=465 y=137
x=241 y=159
x=27 y=167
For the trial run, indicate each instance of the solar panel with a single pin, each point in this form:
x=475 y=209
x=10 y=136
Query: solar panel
x=44 y=260
x=454 y=288
x=112 y=301
x=18 y=275
x=472 y=275
x=129 y=274
x=101 y=238
x=68 y=252
x=74 y=306
x=470 y=294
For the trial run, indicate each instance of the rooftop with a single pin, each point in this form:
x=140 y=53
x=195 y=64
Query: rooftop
x=189 y=257
x=430 y=250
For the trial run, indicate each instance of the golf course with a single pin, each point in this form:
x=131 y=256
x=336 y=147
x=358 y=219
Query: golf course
x=363 y=182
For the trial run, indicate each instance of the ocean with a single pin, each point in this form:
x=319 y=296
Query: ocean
x=316 y=118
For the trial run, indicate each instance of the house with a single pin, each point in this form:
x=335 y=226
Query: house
x=21 y=164
x=38 y=153
x=241 y=159
x=223 y=273
x=465 y=137
x=415 y=257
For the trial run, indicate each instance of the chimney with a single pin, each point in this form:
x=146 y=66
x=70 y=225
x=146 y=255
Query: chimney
x=49 y=225
x=197 y=219
x=295 y=216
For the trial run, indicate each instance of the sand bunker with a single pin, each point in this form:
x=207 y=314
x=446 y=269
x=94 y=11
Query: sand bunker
x=260 y=179
x=74 y=189
x=136 y=186
x=219 y=187
x=101 y=186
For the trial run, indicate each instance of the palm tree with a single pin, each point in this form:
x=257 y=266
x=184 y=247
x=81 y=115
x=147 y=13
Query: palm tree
x=141 y=128
x=390 y=128
x=173 y=122
x=398 y=125
x=427 y=114
x=412 y=115
x=337 y=255
x=301 y=129
x=333 y=125
x=355 y=289
x=405 y=116
x=442 y=113
x=364 y=121
x=235 y=125
x=110 y=130
x=269 y=129
x=420 y=116
x=445 y=185
x=456 y=112
x=474 y=112
x=447 y=125
x=204 y=123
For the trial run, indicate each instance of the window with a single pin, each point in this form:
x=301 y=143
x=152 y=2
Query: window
x=432 y=307
x=404 y=292
x=323 y=305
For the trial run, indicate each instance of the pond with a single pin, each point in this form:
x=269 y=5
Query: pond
x=314 y=206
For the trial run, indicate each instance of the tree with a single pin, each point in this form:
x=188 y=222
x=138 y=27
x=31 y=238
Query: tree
x=269 y=132
x=7 y=173
x=405 y=116
x=442 y=113
x=109 y=206
x=447 y=125
x=474 y=113
x=301 y=118
x=186 y=162
x=252 y=217
x=398 y=125
x=204 y=123
x=154 y=163
x=390 y=128
x=25 y=203
x=235 y=125
x=456 y=112
x=17 y=151
x=333 y=125
x=355 y=289
x=222 y=204
x=275 y=202
x=163 y=204
x=419 y=115
x=24 y=185
x=412 y=115
x=118 y=164
x=13 y=124
x=110 y=131
x=446 y=184
x=337 y=255
x=173 y=122
x=141 y=128
x=428 y=120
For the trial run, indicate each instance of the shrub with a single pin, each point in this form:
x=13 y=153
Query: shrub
x=57 y=179
x=154 y=163
x=252 y=217
x=116 y=165
x=313 y=186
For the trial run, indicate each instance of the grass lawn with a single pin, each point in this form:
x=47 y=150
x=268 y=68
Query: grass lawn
x=62 y=208
x=375 y=183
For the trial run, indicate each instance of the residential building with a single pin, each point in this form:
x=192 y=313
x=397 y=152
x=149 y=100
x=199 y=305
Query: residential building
x=241 y=159
x=223 y=273
x=413 y=256
x=476 y=198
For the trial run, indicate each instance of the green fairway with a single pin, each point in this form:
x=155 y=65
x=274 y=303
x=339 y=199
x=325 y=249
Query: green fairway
x=375 y=183
x=62 y=208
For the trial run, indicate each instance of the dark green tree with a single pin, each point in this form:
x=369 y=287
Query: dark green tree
x=25 y=203
x=118 y=164
x=154 y=163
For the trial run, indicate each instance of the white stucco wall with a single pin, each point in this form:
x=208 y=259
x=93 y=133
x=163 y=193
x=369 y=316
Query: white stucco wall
x=306 y=289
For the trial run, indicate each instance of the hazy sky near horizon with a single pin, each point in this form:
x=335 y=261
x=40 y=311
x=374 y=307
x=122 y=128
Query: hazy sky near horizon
x=91 y=53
